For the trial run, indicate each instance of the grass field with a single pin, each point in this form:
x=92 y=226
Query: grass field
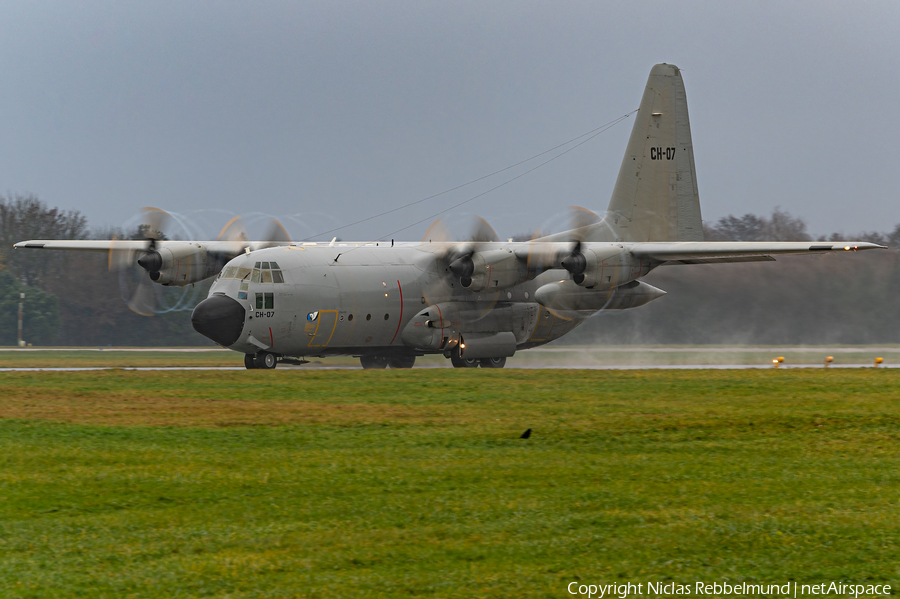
x=415 y=483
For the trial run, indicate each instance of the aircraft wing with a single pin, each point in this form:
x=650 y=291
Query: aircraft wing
x=712 y=252
x=84 y=245
x=232 y=248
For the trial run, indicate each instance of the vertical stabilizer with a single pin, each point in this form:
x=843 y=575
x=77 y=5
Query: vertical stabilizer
x=656 y=198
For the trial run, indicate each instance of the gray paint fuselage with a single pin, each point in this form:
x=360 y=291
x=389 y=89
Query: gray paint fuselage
x=361 y=296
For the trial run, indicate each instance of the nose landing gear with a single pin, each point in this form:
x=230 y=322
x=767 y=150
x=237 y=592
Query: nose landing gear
x=263 y=360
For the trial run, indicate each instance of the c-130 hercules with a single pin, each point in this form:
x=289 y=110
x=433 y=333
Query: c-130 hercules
x=475 y=302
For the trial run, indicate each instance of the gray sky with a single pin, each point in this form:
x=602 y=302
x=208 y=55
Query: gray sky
x=323 y=113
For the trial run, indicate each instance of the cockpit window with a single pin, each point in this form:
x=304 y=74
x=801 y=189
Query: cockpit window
x=256 y=265
x=257 y=275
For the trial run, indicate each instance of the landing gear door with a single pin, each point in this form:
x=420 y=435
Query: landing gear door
x=544 y=325
x=325 y=320
x=524 y=320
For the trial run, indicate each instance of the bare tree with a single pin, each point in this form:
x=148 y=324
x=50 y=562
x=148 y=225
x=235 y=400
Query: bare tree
x=25 y=217
x=781 y=226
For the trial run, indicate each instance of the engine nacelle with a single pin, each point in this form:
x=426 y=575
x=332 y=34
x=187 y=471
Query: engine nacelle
x=568 y=297
x=494 y=269
x=179 y=265
x=610 y=268
x=588 y=262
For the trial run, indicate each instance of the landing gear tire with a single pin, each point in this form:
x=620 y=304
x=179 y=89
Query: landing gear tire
x=266 y=360
x=459 y=362
x=373 y=362
x=402 y=362
x=250 y=362
x=493 y=362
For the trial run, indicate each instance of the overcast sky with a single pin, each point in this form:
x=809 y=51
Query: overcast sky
x=322 y=113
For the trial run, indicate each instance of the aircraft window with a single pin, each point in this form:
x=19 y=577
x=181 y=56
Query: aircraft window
x=386 y=316
x=277 y=277
x=270 y=301
x=350 y=317
x=255 y=277
x=229 y=272
x=274 y=265
x=368 y=317
x=259 y=301
x=266 y=276
x=242 y=295
x=242 y=273
x=265 y=265
x=244 y=285
x=256 y=265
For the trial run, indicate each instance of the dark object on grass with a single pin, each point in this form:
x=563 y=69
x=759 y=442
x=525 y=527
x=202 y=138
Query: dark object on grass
x=526 y=434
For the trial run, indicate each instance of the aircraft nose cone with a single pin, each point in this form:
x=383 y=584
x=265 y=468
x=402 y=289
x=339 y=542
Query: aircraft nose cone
x=220 y=318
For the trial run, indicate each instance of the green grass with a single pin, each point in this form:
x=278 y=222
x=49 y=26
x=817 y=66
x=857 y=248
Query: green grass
x=415 y=483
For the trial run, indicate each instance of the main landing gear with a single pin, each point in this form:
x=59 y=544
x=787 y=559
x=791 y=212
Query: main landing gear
x=459 y=362
x=380 y=362
x=493 y=362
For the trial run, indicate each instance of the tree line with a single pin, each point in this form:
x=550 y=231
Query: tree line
x=846 y=298
x=73 y=299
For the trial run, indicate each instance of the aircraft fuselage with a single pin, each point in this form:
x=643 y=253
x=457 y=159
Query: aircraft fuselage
x=359 y=299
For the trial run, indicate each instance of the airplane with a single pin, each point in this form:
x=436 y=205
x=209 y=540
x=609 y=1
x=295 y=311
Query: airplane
x=476 y=302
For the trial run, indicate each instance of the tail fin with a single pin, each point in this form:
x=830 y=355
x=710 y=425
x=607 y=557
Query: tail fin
x=656 y=198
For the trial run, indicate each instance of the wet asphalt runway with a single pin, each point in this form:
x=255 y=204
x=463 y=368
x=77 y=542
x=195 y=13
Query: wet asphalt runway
x=513 y=367
x=585 y=362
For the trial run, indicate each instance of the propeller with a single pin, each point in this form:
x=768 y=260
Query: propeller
x=138 y=286
x=146 y=296
x=462 y=265
x=235 y=231
x=544 y=255
x=456 y=256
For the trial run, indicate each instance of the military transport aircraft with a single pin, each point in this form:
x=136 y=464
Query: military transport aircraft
x=476 y=302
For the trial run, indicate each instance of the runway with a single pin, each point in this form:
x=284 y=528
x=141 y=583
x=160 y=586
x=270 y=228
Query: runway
x=628 y=357
x=429 y=367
